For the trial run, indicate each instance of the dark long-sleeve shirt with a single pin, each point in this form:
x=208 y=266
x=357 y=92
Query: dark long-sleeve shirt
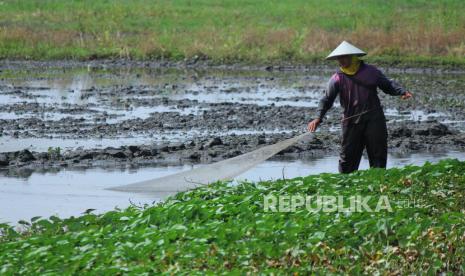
x=358 y=95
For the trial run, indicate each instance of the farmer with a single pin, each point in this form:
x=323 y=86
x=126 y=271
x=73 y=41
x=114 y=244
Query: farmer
x=363 y=123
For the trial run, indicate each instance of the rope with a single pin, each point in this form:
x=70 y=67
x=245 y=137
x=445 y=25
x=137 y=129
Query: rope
x=359 y=114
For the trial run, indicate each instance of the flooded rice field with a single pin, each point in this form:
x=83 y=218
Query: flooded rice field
x=69 y=132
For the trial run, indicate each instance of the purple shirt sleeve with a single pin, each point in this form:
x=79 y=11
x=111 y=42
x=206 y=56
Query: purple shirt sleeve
x=389 y=86
x=328 y=99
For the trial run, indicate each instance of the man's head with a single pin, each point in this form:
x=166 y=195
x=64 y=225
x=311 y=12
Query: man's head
x=344 y=61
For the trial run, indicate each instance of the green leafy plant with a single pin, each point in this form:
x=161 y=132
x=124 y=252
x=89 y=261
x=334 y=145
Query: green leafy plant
x=54 y=153
x=223 y=228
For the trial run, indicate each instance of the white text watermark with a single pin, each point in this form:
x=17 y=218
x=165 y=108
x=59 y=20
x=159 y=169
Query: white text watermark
x=326 y=203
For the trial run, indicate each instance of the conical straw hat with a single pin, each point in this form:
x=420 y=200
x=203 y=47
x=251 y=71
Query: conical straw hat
x=345 y=48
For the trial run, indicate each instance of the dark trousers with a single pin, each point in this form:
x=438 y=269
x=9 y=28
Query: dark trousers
x=369 y=132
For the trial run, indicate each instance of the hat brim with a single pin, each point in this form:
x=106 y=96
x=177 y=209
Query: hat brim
x=336 y=56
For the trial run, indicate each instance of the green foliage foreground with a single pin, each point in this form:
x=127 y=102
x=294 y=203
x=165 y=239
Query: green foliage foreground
x=224 y=228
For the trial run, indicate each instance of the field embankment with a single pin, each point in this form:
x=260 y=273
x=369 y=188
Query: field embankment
x=416 y=32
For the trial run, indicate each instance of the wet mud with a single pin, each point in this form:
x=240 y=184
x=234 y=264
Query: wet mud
x=112 y=115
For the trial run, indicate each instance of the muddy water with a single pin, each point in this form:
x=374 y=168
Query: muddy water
x=95 y=109
x=146 y=119
x=71 y=105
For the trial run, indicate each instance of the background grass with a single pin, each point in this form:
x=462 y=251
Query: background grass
x=231 y=31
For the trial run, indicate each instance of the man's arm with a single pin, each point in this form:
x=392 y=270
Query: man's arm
x=325 y=104
x=328 y=99
x=389 y=86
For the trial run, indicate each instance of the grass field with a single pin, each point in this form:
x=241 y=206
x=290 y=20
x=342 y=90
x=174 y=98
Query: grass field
x=228 y=31
x=222 y=229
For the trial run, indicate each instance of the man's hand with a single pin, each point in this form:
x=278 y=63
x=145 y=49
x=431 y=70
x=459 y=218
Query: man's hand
x=313 y=125
x=406 y=96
